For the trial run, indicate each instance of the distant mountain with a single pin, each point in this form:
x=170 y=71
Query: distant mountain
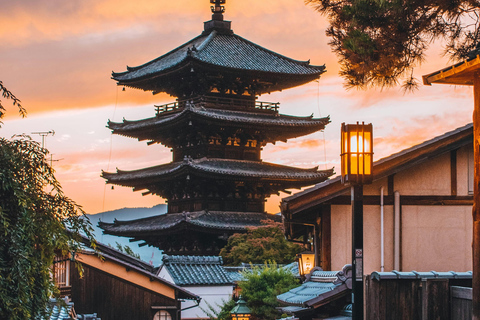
x=147 y=253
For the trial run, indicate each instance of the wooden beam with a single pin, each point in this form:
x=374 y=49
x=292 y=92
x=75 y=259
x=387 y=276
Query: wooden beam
x=408 y=200
x=453 y=172
x=326 y=234
x=390 y=184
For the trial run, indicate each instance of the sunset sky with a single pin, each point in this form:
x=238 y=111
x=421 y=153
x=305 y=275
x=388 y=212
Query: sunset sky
x=57 y=57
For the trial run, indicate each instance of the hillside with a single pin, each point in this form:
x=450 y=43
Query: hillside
x=148 y=254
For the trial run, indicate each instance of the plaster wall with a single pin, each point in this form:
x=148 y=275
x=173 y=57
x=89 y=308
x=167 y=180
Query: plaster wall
x=428 y=178
x=436 y=238
x=214 y=296
x=432 y=237
x=342 y=235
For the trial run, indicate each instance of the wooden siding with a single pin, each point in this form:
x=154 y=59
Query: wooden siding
x=113 y=298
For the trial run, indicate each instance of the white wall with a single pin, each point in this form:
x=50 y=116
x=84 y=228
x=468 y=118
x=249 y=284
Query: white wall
x=215 y=296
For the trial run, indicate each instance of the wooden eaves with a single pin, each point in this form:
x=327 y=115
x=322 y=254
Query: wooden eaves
x=461 y=73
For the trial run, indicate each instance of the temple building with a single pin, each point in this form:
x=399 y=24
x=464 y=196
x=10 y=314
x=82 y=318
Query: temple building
x=217 y=183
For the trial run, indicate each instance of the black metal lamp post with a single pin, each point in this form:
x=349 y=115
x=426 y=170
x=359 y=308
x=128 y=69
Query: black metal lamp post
x=357 y=164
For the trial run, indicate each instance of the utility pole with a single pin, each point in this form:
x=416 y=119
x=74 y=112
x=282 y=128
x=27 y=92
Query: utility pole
x=44 y=134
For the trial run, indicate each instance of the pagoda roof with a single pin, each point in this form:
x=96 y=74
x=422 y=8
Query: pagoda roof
x=199 y=221
x=218 y=169
x=279 y=126
x=220 y=52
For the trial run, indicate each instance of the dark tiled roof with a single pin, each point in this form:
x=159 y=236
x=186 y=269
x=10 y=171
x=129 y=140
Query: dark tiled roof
x=287 y=126
x=196 y=270
x=221 y=50
x=217 y=220
x=217 y=168
x=59 y=311
x=322 y=287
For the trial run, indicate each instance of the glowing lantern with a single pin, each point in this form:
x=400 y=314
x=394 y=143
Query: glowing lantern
x=357 y=153
x=306 y=262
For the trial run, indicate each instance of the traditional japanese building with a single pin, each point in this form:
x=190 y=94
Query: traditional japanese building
x=217 y=183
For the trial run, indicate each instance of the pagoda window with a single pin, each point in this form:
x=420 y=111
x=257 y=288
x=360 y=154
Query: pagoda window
x=252 y=143
x=233 y=142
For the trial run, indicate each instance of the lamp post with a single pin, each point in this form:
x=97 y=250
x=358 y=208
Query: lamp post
x=357 y=163
x=240 y=311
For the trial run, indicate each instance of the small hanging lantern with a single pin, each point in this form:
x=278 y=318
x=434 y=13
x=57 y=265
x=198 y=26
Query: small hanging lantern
x=357 y=153
x=306 y=262
x=241 y=311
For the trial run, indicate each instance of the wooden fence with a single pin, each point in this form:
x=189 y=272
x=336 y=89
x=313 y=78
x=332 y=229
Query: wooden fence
x=461 y=303
x=415 y=299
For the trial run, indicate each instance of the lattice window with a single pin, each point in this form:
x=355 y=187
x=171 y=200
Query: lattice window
x=61 y=271
x=162 y=315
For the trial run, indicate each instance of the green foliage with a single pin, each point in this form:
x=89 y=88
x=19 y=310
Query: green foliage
x=380 y=41
x=127 y=250
x=9 y=95
x=223 y=313
x=260 y=244
x=36 y=221
x=261 y=287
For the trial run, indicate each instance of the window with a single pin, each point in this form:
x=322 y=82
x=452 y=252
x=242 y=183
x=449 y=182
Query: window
x=61 y=271
x=162 y=315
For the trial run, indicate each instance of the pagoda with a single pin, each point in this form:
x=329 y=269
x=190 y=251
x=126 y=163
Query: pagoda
x=217 y=183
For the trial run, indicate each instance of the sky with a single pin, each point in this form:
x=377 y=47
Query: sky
x=57 y=57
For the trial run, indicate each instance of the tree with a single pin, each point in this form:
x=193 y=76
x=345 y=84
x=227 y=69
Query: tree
x=16 y=102
x=36 y=221
x=127 y=250
x=260 y=244
x=380 y=41
x=223 y=313
x=261 y=287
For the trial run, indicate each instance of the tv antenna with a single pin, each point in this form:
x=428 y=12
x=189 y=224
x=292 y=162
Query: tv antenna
x=52 y=160
x=44 y=134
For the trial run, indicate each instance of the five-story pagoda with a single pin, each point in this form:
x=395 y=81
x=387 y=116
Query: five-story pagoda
x=217 y=183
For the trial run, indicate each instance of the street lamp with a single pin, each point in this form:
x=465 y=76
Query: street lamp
x=240 y=311
x=357 y=164
x=306 y=262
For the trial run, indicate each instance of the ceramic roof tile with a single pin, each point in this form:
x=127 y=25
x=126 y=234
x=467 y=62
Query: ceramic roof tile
x=322 y=285
x=233 y=116
x=235 y=221
x=224 y=167
x=222 y=50
x=196 y=270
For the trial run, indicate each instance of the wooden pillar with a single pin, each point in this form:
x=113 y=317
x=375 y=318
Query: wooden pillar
x=326 y=234
x=476 y=199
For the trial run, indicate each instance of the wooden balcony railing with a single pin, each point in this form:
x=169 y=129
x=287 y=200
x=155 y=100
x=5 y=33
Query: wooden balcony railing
x=221 y=103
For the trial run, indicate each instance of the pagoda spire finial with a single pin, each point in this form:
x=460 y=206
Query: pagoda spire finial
x=218 y=9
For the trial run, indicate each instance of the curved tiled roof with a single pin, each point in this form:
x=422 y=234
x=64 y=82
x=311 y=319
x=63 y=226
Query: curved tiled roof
x=220 y=168
x=222 y=50
x=218 y=220
x=322 y=287
x=278 y=126
x=196 y=270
